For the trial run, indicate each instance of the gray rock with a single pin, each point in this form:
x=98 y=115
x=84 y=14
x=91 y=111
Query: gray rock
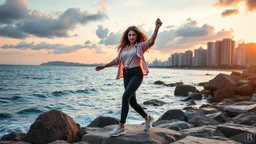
x=173 y=114
x=223 y=93
x=245 y=90
x=245 y=118
x=230 y=129
x=51 y=126
x=240 y=107
x=175 y=125
x=220 y=81
x=200 y=120
x=135 y=134
x=13 y=136
x=212 y=140
x=182 y=90
x=154 y=102
x=202 y=131
x=102 y=121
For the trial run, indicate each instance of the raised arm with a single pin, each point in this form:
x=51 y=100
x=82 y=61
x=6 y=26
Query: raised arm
x=154 y=35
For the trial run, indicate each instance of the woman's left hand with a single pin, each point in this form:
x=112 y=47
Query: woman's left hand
x=158 y=23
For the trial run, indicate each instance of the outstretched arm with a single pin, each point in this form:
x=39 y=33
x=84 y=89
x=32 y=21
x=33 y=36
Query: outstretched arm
x=154 y=35
x=98 y=68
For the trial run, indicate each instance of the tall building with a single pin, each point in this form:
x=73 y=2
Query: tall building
x=188 y=58
x=217 y=53
x=227 y=52
x=246 y=54
x=181 y=59
x=252 y=48
x=200 y=57
x=176 y=60
x=169 y=61
x=210 y=54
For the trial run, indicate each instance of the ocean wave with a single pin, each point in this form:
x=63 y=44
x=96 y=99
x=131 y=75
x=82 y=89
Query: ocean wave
x=5 y=116
x=3 y=101
x=29 y=111
x=59 y=93
x=65 y=92
x=13 y=98
x=34 y=78
x=40 y=95
x=87 y=91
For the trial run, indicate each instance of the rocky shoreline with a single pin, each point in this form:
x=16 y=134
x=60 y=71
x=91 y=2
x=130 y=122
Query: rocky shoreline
x=229 y=117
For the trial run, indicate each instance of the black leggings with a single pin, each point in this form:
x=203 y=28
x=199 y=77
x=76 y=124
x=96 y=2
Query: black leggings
x=132 y=79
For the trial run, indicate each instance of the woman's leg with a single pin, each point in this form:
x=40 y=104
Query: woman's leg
x=131 y=85
x=136 y=106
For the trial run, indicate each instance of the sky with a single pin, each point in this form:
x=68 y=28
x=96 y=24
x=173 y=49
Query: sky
x=88 y=31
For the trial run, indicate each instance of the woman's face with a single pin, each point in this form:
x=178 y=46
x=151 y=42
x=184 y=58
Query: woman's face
x=132 y=36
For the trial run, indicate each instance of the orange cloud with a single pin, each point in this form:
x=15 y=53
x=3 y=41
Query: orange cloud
x=250 y=6
x=229 y=12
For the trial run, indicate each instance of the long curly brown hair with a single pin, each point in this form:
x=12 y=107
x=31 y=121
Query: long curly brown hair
x=141 y=37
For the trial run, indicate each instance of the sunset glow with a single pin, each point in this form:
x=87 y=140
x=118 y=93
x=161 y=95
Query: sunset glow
x=33 y=32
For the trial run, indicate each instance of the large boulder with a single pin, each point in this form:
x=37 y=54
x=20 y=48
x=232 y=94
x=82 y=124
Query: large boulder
x=135 y=134
x=240 y=107
x=223 y=93
x=154 y=102
x=200 y=120
x=175 y=125
x=202 y=131
x=173 y=114
x=211 y=140
x=102 y=121
x=220 y=81
x=13 y=136
x=182 y=90
x=237 y=132
x=244 y=90
x=245 y=118
x=51 y=126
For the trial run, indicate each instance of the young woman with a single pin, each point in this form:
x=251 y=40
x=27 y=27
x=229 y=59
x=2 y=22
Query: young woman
x=132 y=67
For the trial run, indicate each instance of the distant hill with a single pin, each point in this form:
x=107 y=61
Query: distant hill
x=62 y=63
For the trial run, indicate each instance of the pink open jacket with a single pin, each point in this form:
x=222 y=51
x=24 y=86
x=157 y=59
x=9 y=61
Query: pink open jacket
x=141 y=47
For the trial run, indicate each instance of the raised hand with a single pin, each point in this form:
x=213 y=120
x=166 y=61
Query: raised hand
x=158 y=23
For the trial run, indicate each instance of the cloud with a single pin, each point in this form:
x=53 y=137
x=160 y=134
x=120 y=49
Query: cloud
x=111 y=39
x=12 y=31
x=87 y=42
x=170 y=26
x=189 y=35
x=103 y=5
x=13 y=10
x=184 y=36
x=250 y=6
x=52 y=48
x=21 y=23
x=229 y=12
x=225 y=3
x=102 y=32
x=21 y=45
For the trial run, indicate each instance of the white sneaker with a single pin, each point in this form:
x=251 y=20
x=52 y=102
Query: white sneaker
x=148 y=123
x=117 y=131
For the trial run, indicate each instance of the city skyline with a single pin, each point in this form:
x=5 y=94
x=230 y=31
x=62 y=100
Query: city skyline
x=219 y=53
x=35 y=32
